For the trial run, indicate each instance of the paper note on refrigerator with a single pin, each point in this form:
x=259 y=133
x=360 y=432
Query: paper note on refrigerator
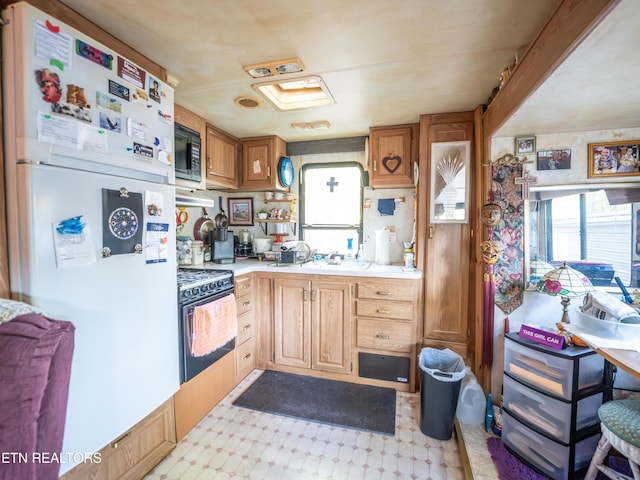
x=73 y=249
x=157 y=242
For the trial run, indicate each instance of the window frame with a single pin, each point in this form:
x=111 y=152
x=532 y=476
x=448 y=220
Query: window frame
x=305 y=227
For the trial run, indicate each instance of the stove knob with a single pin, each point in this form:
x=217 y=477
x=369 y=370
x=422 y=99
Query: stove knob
x=204 y=288
x=219 y=284
x=196 y=290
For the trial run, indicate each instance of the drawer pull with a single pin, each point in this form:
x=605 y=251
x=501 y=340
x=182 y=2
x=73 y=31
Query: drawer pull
x=121 y=440
x=384 y=337
x=247 y=356
x=383 y=311
x=245 y=286
x=247 y=326
x=244 y=304
x=383 y=292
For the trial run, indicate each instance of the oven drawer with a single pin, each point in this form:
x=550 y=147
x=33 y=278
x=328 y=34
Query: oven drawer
x=245 y=359
x=245 y=327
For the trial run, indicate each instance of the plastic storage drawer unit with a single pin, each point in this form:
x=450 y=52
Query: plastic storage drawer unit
x=547 y=414
x=548 y=372
x=542 y=453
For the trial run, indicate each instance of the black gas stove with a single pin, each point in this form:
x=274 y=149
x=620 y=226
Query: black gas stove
x=198 y=283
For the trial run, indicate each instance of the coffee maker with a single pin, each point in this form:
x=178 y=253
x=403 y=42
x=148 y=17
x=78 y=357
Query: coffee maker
x=222 y=251
x=243 y=245
x=222 y=244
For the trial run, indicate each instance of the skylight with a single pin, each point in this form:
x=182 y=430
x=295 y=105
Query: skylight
x=296 y=93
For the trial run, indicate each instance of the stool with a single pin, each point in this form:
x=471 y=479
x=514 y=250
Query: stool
x=620 y=425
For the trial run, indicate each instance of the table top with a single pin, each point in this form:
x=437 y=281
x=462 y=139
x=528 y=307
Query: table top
x=628 y=360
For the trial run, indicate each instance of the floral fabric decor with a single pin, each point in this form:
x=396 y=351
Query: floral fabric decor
x=509 y=270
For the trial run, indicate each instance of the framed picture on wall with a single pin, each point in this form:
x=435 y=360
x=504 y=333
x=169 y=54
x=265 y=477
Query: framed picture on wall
x=450 y=163
x=554 y=159
x=241 y=211
x=613 y=159
x=525 y=145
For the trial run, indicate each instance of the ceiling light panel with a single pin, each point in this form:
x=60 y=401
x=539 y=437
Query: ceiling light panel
x=274 y=68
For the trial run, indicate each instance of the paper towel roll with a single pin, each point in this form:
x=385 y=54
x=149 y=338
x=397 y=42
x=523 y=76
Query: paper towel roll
x=383 y=241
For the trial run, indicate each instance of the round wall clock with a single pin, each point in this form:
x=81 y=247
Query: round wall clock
x=285 y=172
x=123 y=223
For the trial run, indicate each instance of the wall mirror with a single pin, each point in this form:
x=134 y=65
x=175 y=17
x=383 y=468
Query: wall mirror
x=595 y=228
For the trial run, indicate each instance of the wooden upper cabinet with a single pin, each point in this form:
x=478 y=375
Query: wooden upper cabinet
x=195 y=122
x=393 y=152
x=260 y=157
x=221 y=161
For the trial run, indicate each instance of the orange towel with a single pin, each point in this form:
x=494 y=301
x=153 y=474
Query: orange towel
x=213 y=325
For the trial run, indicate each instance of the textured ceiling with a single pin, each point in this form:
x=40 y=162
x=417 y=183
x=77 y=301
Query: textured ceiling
x=596 y=88
x=385 y=62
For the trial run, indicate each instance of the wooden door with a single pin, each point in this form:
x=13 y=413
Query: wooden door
x=445 y=248
x=292 y=322
x=256 y=163
x=331 y=326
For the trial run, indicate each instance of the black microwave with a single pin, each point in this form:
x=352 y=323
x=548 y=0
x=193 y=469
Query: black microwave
x=187 y=157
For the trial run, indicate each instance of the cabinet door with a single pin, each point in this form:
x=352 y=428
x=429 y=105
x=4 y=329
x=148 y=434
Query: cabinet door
x=331 y=326
x=260 y=158
x=292 y=322
x=222 y=159
x=393 y=151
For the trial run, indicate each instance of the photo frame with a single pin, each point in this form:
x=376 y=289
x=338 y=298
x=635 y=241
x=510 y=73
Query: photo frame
x=450 y=164
x=554 y=159
x=614 y=159
x=241 y=211
x=526 y=145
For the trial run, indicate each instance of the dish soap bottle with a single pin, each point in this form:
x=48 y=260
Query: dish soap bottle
x=349 y=258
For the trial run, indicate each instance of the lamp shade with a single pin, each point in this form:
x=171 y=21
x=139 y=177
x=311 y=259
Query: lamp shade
x=564 y=281
x=539 y=267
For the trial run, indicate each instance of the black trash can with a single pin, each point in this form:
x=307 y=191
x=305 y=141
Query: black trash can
x=441 y=372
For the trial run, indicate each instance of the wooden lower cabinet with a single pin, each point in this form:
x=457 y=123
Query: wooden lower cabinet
x=135 y=452
x=312 y=323
x=203 y=392
x=319 y=324
x=387 y=313
x=245 y=342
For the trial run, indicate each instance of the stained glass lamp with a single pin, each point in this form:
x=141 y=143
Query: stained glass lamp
x=566 y=282
x=538 y=268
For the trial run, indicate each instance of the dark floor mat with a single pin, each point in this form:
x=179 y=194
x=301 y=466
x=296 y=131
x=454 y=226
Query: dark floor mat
x=326 y=401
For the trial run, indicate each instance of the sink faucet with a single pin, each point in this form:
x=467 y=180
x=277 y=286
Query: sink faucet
x=333 y=257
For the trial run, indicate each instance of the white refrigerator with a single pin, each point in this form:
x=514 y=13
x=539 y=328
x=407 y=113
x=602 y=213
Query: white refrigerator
x=88 y=141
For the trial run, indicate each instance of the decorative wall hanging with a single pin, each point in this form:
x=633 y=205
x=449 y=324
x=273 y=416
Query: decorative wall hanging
x=525 y=145
x=450 y=182
x=506 y=192
x=391 y=163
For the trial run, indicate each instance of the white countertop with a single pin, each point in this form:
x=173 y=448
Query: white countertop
x=243 y=266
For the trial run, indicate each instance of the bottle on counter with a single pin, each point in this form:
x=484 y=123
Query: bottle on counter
x=350 y=257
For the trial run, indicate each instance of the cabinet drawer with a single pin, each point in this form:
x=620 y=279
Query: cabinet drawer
x=548 y=456
x=134 y=453
x=245 y=359
x=385 y=291
x=397 y=310
x=384 y=335
x=245 y=327
x=546 y=414
x=549 y=372
x=243 y=286
x=244 y=304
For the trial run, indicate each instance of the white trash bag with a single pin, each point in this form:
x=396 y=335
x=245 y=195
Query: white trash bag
x=442 y=364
